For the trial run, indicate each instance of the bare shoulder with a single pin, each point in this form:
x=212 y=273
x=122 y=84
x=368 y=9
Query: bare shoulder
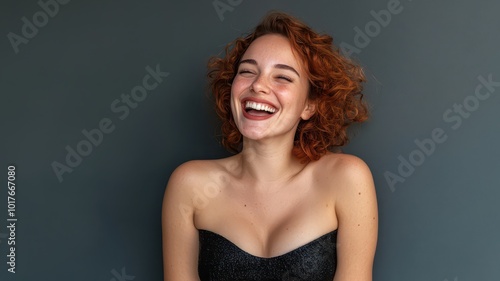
x=190 y=171
x=351 y=184
x=349 y=180
x=198 y=167
x=194 y=174
x=345 y=170
x=179 y=234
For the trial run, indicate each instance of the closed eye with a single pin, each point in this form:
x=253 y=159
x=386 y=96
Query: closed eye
x=286 y=78
x=245 y=71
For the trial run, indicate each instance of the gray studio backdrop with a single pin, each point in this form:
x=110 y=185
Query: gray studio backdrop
x=101 y=100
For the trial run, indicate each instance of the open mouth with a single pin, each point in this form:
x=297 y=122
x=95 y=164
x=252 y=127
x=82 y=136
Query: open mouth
x=259 y=109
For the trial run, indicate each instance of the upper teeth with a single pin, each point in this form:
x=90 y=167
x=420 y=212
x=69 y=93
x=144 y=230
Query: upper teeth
x=259 y=106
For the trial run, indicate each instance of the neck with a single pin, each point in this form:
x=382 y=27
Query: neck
x=266 y=162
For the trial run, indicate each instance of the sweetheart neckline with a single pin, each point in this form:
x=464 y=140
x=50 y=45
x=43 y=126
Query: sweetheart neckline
x=333 y=232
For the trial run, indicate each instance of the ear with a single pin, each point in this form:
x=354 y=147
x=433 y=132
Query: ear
x=309 y=110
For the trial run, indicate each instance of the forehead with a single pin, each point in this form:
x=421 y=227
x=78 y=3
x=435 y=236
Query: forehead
x=272 y=49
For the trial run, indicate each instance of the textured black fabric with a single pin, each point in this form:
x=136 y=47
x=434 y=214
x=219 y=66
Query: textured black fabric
x=219 y=260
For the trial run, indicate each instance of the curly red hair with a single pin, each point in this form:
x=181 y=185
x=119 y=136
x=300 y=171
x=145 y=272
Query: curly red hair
x=335 y=87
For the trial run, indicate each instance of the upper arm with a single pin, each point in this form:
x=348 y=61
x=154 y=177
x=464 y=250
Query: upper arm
x=357 y=214
x=179 y=235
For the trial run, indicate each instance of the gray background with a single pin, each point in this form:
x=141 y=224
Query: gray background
x=440 y=223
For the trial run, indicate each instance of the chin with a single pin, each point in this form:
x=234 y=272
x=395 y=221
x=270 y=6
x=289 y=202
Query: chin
x=253 y=133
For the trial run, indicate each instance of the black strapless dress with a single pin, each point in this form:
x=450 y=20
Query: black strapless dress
x=219 y=260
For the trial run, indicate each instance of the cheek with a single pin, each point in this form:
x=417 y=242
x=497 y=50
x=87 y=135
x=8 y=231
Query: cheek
x=231 y=101
x=239 y=84
x=237 y=89
x=234 y=98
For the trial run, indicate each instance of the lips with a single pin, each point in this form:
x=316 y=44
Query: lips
x=257 y=109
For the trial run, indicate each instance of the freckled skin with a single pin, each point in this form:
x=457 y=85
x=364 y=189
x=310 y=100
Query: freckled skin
x=268 y=202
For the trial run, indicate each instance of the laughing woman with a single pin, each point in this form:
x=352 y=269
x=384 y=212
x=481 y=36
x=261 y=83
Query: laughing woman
x=284 y=207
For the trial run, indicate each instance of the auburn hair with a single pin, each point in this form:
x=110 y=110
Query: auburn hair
x=335 y=86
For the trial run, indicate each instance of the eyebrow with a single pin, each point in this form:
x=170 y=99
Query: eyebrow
x=280 y=66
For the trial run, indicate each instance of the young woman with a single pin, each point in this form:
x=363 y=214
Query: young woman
x=284 y=207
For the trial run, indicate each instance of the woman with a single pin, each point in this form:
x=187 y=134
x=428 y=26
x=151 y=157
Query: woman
x=283 y=207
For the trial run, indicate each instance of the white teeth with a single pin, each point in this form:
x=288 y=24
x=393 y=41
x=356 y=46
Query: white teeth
x=259 y=106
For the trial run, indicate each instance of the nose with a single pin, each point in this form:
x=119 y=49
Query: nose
x=260 y=84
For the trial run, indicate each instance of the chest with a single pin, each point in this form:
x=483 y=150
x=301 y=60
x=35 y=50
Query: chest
x=272 y=221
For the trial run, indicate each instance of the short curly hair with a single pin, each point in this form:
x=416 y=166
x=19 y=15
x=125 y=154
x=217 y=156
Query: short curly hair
x=335 y=85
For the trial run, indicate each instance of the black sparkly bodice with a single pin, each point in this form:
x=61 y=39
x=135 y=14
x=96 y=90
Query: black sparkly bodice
x=219 y=259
